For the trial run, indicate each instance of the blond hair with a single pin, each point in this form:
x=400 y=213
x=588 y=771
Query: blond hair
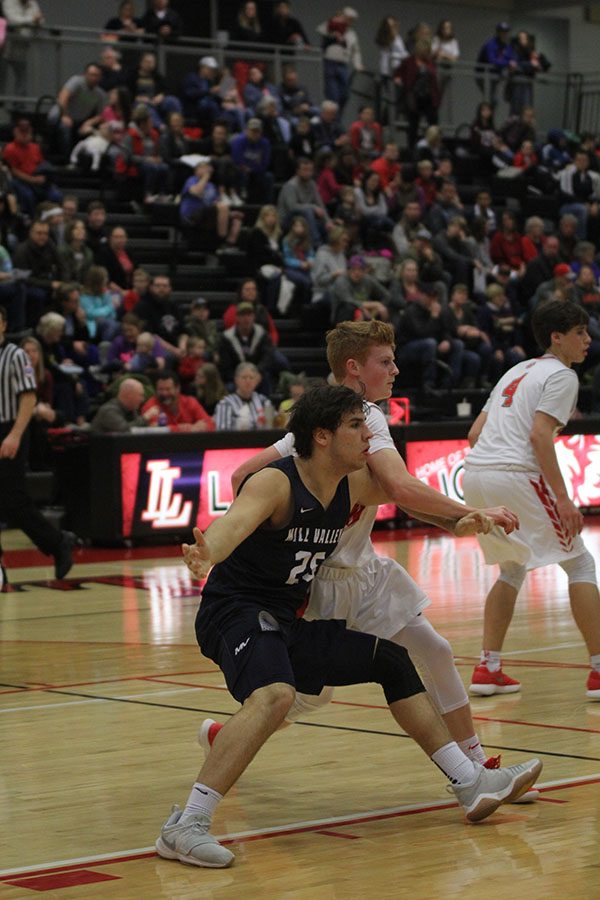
x=275 y=232
x=354 y=340
x=39 y=368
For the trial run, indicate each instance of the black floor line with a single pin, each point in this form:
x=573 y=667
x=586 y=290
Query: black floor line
x=216 y=712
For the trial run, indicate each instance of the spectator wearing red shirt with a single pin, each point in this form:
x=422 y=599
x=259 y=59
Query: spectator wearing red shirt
x=526 y=157
x=506 y=247
x=365 y=134
x=195 y=356
x=387 y=165
x=327 y=184
x=28 y=168
x=170 y=407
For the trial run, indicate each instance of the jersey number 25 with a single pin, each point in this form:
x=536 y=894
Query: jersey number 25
x=306 y=571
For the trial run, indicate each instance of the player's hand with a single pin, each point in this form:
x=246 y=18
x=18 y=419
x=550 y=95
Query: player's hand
x=504 y=517
x=196 y=556
x=473 y=523
x=9 y=447
x=570 y=517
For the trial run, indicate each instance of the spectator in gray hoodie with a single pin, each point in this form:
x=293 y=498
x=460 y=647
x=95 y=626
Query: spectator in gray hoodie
x=300 y=197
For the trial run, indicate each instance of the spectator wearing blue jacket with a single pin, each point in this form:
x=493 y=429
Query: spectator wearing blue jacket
x=200 y=90
x=555 y=152
x=499 y=54
x=251 y=153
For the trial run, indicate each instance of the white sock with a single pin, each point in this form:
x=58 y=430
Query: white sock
x=453 y=763
x=492 y=660
x=473 y=749
x=203 y=800
x=595 y=662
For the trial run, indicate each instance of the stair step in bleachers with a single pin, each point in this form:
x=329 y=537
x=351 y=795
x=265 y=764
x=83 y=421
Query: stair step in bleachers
x=85 y=195
x=139 y=225
x=509 y=187
x=149 y=249
x=310 y=360
x=547 y=207
x=71 y=179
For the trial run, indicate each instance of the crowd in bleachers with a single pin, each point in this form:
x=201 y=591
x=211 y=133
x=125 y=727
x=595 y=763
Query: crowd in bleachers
x=302 y=219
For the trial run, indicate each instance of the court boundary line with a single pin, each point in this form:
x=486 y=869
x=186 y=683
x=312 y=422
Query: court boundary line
x=293 y=828
x=211 y=687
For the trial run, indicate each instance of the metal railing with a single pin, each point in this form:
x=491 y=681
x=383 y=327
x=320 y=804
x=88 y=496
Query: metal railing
x=54 y=54
x=561 y=100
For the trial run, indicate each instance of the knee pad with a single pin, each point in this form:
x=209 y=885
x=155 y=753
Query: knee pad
x=582 y=569
x=304 y=704
x=513 y=574
x=394 y=670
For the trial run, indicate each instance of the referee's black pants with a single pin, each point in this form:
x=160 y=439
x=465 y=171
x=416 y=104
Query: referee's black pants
x=16 y=506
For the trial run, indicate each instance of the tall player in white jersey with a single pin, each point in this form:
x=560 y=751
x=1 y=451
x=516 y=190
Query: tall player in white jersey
x=372 y=593
x=513 y=458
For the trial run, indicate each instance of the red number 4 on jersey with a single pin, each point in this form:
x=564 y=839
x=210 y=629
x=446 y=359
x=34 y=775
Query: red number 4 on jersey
x=509 y=391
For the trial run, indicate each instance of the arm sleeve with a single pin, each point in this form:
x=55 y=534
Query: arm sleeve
x=285 y=446
x=376 y=421
x=559 y=395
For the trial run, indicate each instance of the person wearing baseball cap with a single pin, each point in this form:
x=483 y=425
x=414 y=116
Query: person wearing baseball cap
x=251 y=153
x=200 y=92
x=497 y=58
x=562 y=270
x=357 y=296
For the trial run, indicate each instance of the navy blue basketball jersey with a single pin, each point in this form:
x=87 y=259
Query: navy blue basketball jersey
x=273 y=567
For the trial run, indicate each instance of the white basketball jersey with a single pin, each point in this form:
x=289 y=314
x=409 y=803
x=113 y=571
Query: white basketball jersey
x=354 y=548
x=534 y=385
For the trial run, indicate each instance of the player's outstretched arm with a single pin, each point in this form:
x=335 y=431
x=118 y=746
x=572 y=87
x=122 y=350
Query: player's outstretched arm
x=542 y=441
x=265 y=495
x=479 y=521
x=390 y=481
x=408 y=492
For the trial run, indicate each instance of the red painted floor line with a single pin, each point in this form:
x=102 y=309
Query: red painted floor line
x=524 y=663
x=158 y=679
x=482 y=718
x=538 y=725
x=280 y=833
x=29 y=558
x=151 y=678
x=212 y=687
x=60 y=642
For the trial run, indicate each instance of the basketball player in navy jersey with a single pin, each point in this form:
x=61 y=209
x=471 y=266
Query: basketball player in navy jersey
x=375 y=594
x=285 y=521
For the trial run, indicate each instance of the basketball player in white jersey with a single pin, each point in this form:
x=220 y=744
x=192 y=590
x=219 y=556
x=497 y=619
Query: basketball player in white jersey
x=513 y=458
x=372 y=593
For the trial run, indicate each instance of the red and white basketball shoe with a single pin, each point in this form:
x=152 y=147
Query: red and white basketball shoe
x=593 y=685
x=485 y=683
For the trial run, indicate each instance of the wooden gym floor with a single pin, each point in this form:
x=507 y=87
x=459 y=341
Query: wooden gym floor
x=103 y=688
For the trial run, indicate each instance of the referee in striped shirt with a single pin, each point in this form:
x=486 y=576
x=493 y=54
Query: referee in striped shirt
x=17 y=401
